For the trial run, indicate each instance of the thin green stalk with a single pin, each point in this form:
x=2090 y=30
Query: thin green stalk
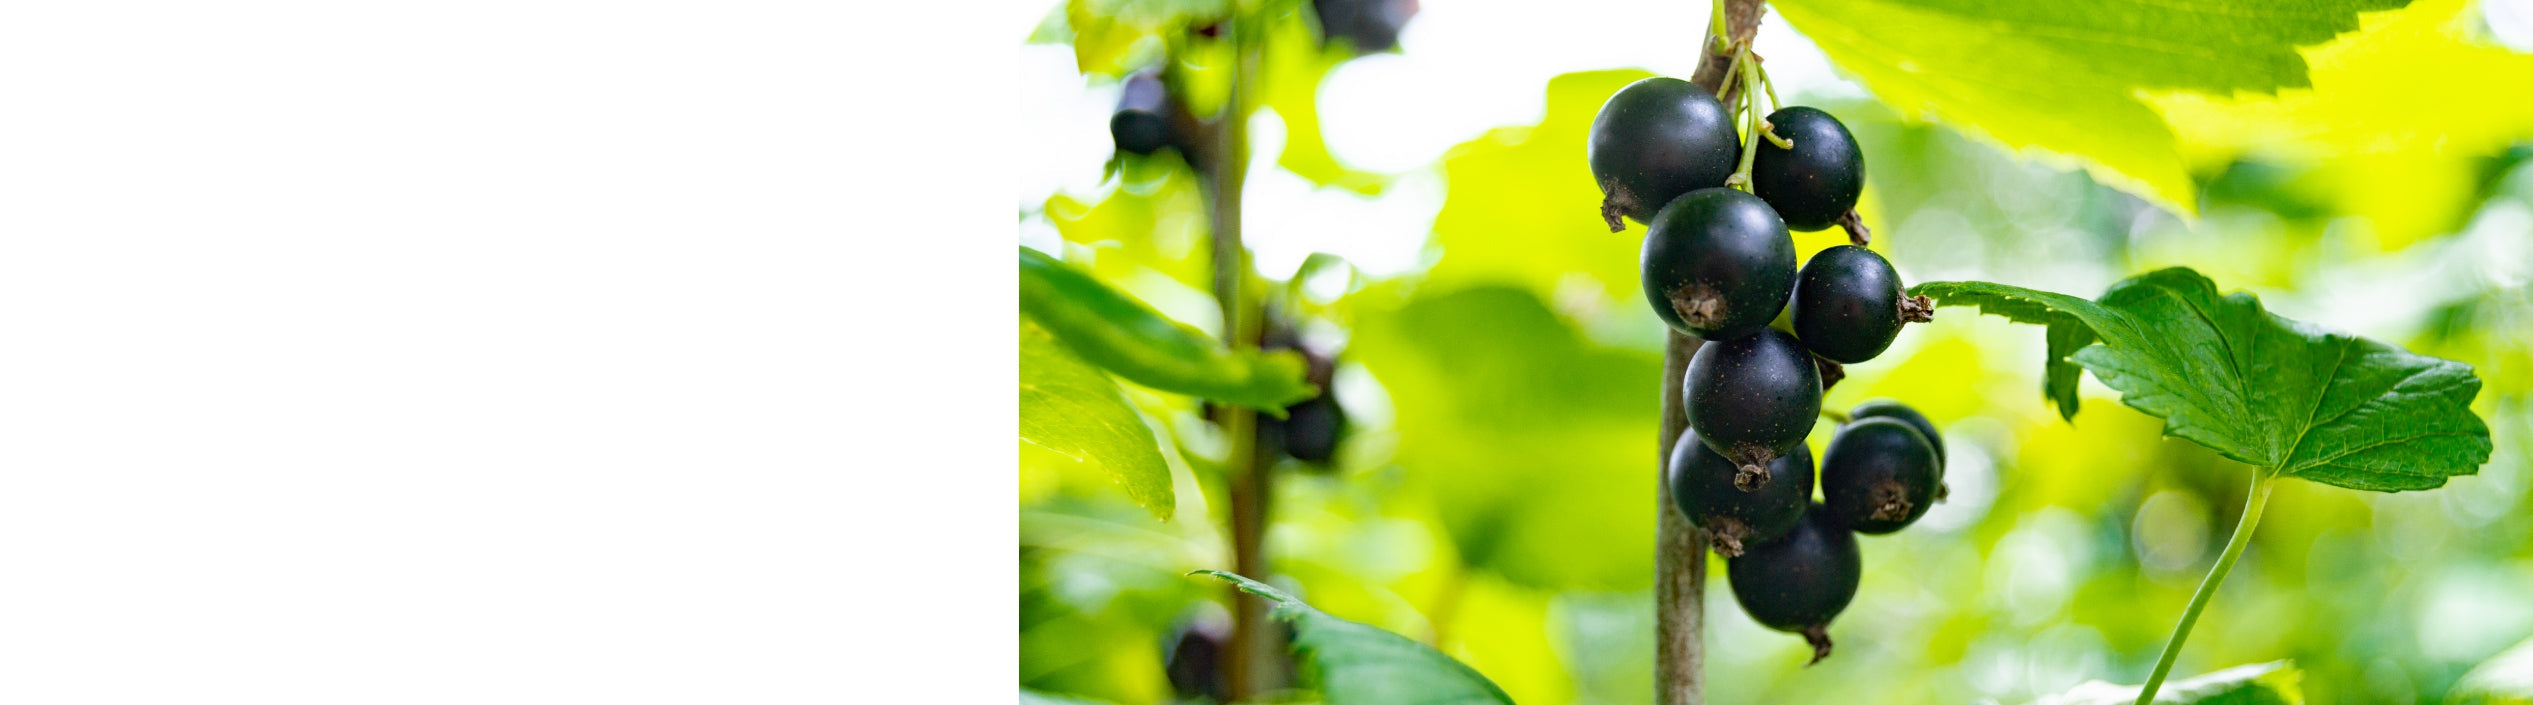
x=1753 y=123
x=2262 y=481
x=1716 y=27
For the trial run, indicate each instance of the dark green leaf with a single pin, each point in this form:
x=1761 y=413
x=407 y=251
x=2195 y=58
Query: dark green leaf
x=1356 y=663
x=2066 y=77
x=1129 y=339
x=2262 y=389
x=2068 y=331
x=1071 y=408
x=2274 y=683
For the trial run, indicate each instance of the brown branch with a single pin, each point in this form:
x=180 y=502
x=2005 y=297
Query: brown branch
x=1679 y=548
x=1252 y=661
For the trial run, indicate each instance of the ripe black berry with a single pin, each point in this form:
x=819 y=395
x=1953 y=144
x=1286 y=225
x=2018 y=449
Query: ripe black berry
x=1752 y=399
x=1656 y=139
x=1717 y=264
x=1817 y=180
x=1800 y=581
x=1142 y=122
x=1702 y=487
x=1372 y=25
x=1896 y=410
x=1194 y=661
x=1310 y=429
x=1848 y=305
x=1879 y=475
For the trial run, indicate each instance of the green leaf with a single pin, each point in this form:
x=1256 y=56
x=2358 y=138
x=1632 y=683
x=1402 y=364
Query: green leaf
x=2504 y=679
x=1291 y=66
x=2068 y=331
x=2274 y=683
x=2066 y=78
x=1112 y=37
x=2259 y=388
x=1032 y=697
x=1521 y=432
x=1355 y=663
x=1071 y=408
x=1129 y=339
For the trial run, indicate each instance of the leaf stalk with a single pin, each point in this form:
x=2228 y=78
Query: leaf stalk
x=2262 y=482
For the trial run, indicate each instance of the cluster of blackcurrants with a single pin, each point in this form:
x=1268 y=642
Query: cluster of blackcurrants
x=1719 y=264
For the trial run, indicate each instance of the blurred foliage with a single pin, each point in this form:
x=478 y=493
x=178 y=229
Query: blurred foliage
x=1069 y=407
x=1128 y=339
x=1353 y=664
x=2064 y=78
x=1495 y=497
x=2259 y=684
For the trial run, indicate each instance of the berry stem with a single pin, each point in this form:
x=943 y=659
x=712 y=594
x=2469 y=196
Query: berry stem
x=1756 y=124
x=2262 y=482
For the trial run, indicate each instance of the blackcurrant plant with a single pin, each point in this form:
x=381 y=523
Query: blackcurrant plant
x=1654 y=140
x=1717 y=264
x=1816 y=179
x=1752 y=399
x=1879 y=475
x=1703 y=488
x=1801 y=581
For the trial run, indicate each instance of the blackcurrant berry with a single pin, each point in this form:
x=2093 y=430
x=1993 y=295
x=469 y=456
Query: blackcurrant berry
x=1817 y=180
x=1879 y=475
x=1702 y=487
x=1892 y=409
x=1752 y=399
x=1372 y=25
x=1656 y=139
x=1717 y=264
x=1194 y=660
x=1142 y=122
x=1310 y=429
x=1848 y=304
x=1800 y=581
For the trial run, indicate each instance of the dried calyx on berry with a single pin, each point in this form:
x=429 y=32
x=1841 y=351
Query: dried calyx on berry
x=1702 y=487
x=1879 y=475
x=1717 y=264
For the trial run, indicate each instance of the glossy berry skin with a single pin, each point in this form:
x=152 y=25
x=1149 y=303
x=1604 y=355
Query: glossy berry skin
x=1656 y=139
x=1800 y=581
x=1892 y=409
x=1702 y=488
x=1847 y=304
x=1752 y=399
x=1141 y=124
x=1878 y=475
x=1818 y=179
x=1717 y=264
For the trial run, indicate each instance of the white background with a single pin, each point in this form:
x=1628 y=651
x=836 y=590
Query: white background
x=519 y=351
